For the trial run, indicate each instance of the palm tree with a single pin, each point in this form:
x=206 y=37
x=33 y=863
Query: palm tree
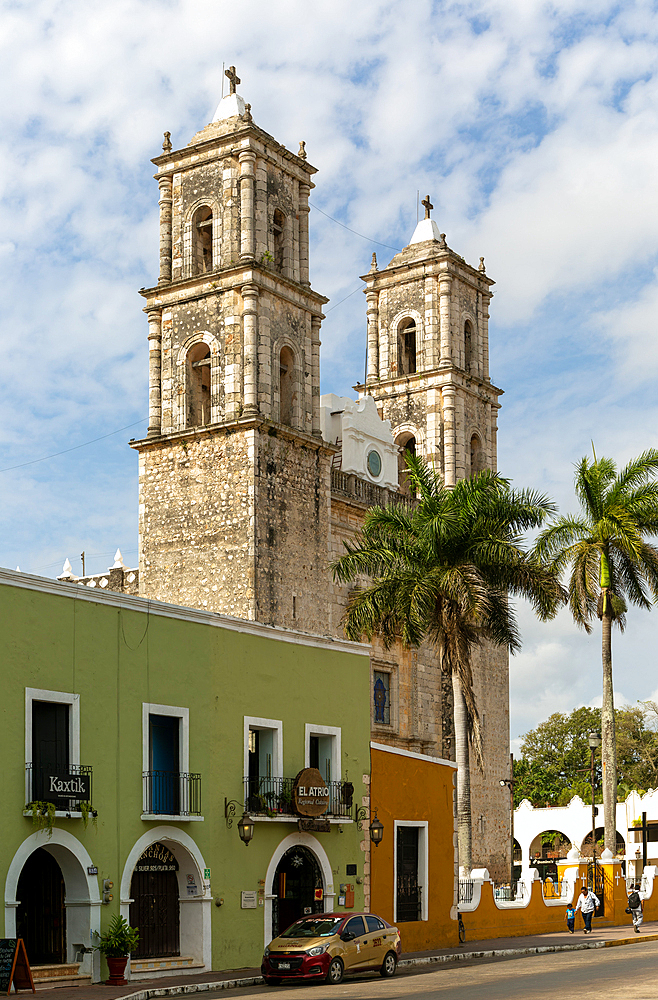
x=442 y=572
x=611 y=563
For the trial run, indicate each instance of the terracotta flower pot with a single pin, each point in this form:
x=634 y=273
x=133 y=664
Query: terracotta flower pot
x=117 y=967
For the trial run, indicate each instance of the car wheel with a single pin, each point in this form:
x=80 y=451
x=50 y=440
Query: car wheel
x=272 y=980
x=389 y=965
x=335 y=972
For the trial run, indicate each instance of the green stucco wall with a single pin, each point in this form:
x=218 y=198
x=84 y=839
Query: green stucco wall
x=116 y=658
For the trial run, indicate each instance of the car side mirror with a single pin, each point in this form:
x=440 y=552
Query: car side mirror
x=347 y=936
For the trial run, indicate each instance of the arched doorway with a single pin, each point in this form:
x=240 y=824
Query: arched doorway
x=296 y=879
x=41 y=916
x=155 y=907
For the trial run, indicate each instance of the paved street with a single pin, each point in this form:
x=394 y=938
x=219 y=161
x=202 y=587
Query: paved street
x=630 y=973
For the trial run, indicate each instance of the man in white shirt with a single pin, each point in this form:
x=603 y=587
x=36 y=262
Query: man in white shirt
x=587 y=903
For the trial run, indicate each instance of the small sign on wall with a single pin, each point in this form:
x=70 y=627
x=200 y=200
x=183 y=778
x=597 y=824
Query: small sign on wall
x=248 y=899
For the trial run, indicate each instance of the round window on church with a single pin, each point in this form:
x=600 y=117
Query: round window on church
x=374 y=463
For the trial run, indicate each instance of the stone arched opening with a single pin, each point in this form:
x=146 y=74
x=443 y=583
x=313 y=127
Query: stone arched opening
x=176 y=892
x=62 y=865
x=318 y=862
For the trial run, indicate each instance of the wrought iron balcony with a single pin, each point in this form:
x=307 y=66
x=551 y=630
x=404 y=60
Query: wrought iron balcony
x=274 y=797
x=168 y=793
x=66 y=787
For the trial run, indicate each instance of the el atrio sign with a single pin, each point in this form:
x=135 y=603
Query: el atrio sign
x=310 y=793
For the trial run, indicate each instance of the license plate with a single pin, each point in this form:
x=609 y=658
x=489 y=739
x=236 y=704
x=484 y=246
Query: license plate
x=284 y=965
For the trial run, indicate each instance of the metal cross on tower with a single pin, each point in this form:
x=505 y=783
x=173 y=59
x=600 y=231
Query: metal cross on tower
x=233 y=78
x=428 y=206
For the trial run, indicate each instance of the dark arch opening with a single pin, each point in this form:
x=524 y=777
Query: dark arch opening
x=297 y=876
x=286 y=386
x=278 y=230
x=477 y=455
x=41 y=916
x=198 y=385
x=408 y=444
x=155 y=909
x=468 y=346
x=202 y=240
x=407 y=347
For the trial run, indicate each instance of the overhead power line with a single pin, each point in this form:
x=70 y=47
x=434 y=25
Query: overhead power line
x=75 y=447
x=379 y=244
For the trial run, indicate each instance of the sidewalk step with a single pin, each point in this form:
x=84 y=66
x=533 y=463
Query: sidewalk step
x=152 y=968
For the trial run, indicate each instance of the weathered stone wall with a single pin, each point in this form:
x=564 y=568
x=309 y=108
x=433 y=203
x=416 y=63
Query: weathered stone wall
x=292 y=500
x=196 y=512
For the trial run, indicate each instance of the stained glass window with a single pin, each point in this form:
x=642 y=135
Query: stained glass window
x=382 y=697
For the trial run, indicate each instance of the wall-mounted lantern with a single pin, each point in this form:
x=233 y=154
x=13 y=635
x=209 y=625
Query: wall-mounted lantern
x=376 y=830
x=246 y=828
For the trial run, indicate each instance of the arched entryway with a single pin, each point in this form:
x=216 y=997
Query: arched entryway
x=174 y=906
x=297 y=888
x=41 y=913
x=154 y=909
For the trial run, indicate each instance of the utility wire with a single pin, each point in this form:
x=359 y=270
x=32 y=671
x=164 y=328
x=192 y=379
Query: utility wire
x=345 y=299
x=74 y=448
x=387 y=245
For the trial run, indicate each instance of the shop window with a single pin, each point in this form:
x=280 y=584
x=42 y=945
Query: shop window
x=286 y=386
x=407 y=348
x=410 y=872
x=198 y=385
x=382 y=697
x=202 y=240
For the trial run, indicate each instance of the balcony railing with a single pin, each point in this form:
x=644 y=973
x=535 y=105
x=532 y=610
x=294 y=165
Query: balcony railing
x=465 y=890
x=274 y=797
x=168 y=793
x=66 y=787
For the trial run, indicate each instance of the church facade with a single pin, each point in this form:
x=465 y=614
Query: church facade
x=243 y=502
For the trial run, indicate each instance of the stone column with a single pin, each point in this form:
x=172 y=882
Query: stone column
x=449 y=435
x=372 y=313
x=247 y=220
x=493 y=447
x=165 y=229
x=430 y=346
x=486 y=299
x=445 y=281
x=304 y=192
x=250 y=342
x=155 y=372
x=315 y=375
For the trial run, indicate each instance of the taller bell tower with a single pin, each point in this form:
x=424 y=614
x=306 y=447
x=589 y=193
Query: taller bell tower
x=234 y=476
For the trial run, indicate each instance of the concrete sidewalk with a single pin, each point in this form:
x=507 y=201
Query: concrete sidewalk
x=535 y=944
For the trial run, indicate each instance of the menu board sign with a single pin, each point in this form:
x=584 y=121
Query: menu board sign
x=14 y=966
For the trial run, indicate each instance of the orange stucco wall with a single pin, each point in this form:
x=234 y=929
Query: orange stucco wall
x=408 y=788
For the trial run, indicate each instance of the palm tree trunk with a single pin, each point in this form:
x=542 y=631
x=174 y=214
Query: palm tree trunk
x=609 y=741
x=463 y=777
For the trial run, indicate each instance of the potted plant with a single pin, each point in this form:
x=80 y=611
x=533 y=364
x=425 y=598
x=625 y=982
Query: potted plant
x=120 y=940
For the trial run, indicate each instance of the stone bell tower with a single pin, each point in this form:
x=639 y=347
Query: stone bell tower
x=428 y=372
x=234 y=476
x=428 y=353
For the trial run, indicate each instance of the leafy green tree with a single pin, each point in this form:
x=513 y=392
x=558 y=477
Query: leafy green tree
x=611 y=562
x=442 y=572
x=554 y=765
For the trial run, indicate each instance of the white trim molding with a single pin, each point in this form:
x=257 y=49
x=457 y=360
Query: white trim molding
x=423 y=863
x=411 y=753
x=336 y=751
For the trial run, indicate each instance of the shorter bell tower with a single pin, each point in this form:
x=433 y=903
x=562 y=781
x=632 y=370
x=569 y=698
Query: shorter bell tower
x=428 y=353
x=234 y=475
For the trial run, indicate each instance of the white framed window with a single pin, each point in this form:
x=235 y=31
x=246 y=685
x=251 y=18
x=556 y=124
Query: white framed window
x=383 y=695
x=322 y=749
x=64 y=709
x=263 y=747
x=165 y=759
x=410 y=867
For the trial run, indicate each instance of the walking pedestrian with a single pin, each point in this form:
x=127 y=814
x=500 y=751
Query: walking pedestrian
x=587 y=904
x=635 y=906
x=570 y=917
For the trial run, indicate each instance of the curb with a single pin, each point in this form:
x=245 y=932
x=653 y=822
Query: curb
x=231 y=984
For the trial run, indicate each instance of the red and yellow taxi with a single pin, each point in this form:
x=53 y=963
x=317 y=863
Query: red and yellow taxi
x=327 y=946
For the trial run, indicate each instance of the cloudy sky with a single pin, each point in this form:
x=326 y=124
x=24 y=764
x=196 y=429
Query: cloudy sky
x=533 y=125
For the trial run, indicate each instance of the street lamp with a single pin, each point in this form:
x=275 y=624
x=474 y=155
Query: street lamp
x=246 y=828
x=594 y=741
x=509 y=782
x=376 y=830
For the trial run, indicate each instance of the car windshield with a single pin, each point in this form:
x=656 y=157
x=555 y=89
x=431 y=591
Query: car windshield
x=313 y=927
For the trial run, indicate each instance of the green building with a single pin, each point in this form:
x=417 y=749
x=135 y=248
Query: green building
x=161 y=725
